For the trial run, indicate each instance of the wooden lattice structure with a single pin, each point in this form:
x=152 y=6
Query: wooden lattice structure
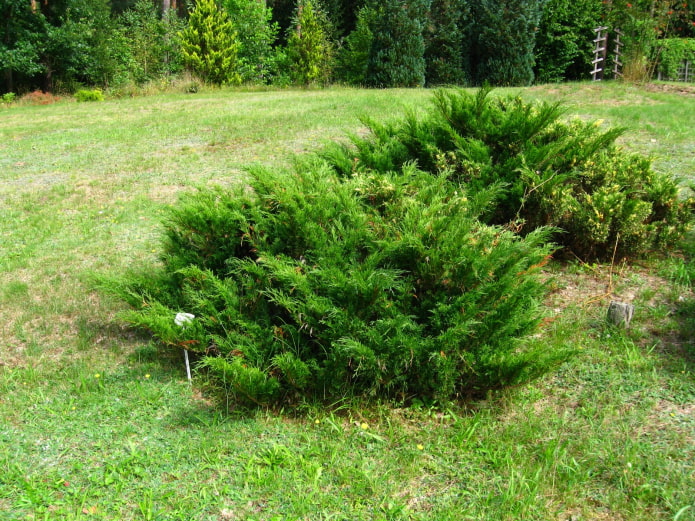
x=600 y=52
x=686 y=72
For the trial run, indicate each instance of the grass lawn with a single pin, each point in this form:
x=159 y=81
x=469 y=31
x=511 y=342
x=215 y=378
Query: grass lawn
x=96 y=424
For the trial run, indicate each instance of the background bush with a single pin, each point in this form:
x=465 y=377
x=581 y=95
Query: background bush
x=564 y=41
x=152 y=42
x=505 y=36
x=549 y=172
x=671 y=53
x=257 y=33
x=89 y=95
x=312 y=284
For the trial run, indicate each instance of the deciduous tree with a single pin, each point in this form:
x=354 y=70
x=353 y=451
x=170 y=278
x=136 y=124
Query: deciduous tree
x=256 y=31
x=22 y=31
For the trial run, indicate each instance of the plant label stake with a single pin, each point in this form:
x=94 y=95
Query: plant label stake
x=188 y=366
x=182 y=320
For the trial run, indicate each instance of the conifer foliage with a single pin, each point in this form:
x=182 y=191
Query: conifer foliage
x=505 y=40
x=568 y=175
x=447 y=43
x=209 y=44
x=316 y=285
x=309 y=48
x=397 y=53
x=353 y=56
x=394 y=266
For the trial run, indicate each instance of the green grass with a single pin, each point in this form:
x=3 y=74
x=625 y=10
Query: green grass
x=609 y=436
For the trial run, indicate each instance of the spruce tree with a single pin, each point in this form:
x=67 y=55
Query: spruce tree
x=446 y=40
x=397 y=55
x=505 y=40
x=353 y=57
x=209 y=45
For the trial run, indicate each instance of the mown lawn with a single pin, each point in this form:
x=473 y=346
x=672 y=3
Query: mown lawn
x=95 y=423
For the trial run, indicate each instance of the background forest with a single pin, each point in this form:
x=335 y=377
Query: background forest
x=120 y=45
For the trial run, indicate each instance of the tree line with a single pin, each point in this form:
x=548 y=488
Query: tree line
x=63 y=45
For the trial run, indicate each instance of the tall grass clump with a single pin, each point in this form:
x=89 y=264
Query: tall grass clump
x=305 y=283
x=566 y=174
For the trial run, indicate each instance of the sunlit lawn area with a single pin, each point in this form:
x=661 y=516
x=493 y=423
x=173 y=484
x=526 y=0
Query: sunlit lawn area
x=96 y=423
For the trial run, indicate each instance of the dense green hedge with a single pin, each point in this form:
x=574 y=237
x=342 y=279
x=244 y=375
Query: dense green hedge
x=504 y=40
x=671 y=53
x=564 y=41
x=397 y=51
x=447 y=43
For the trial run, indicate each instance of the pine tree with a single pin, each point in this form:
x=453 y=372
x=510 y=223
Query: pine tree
x=505 y=40
x=209 y=45
x=397 y=55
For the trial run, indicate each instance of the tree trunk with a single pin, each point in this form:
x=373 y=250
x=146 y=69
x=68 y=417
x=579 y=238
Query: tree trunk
x=9 y=80
x=166 y=5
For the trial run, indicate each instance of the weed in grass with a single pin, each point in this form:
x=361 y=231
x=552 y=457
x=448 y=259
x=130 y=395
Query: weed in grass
x=14 y=290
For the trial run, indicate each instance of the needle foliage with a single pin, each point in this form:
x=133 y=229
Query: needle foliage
x=375 y=285
x=570 y=175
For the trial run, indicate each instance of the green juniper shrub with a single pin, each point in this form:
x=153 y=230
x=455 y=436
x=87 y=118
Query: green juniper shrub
x=316 y=285
x=569 y=175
